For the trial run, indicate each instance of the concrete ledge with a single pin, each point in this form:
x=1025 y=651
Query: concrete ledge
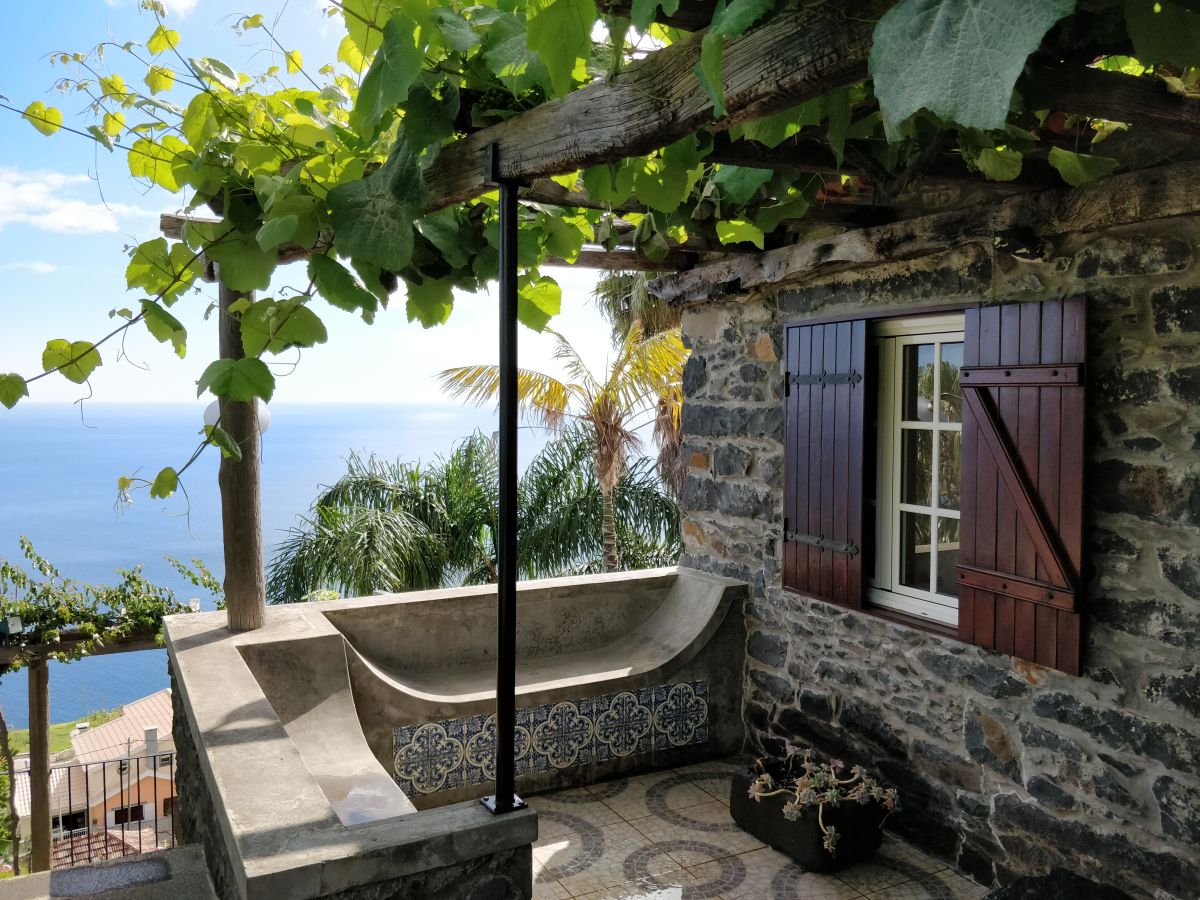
x=179 y=874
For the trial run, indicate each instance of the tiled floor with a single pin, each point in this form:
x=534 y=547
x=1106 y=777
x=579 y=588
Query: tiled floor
x=668 y=836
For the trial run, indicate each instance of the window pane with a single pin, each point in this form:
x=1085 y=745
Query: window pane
x=915 y=550
x=951 y=405
x=916 y=466
x=949 y=467
x=947 y=556
x=918 y=383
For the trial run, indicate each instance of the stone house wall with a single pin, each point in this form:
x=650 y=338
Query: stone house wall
x=1005 y=767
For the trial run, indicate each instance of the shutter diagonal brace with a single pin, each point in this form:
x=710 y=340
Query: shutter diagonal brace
x=1026 y=501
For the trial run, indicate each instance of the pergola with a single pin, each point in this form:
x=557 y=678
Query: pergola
x=935 y=205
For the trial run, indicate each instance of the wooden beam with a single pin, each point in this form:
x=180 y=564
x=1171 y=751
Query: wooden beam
x=623 y=260
x=73 y=640
x=692 y=15
x=657 y=100
x=38 y=674
x=1138 y=100
x=1120 y=200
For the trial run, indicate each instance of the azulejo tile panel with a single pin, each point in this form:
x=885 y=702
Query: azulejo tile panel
x=454 y=753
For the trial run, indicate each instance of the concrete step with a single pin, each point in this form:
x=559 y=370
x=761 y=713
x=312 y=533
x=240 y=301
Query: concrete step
x=179 y=873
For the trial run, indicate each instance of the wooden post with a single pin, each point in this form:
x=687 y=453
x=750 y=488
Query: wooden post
x=39 y=764
x=241 y=497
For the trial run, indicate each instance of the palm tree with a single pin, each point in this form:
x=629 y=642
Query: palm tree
x=646 y=370
x=400 y=526
x=624 y=299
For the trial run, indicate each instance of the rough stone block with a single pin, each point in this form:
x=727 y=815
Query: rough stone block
x=988 y=742
x=1117 y=387
x=947 y=767
x=1180 y=807
x=1181 y=691
x=864 y=722
x=1176 y=310
x=1037 y=736
x=974 y=674
x=1158 y=493
x=1168 y=623
x=1049 y=793
x=1185 y=384
x=1122 y=257
x=730 y=460
x=695 y=375
x=769 y=649
x=1174 y=747
x=1181 y=571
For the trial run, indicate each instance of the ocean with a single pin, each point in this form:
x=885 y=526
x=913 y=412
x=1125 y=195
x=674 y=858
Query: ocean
x=60 y=476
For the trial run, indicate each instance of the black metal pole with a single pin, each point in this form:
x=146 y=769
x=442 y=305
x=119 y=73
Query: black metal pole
x=505 y=799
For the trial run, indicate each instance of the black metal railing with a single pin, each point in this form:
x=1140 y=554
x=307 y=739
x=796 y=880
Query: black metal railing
x=104 y=810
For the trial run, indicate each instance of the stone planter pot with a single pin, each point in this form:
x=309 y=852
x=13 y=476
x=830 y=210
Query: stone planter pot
x=857 y=824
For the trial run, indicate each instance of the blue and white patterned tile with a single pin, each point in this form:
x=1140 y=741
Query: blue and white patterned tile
x=460 y=752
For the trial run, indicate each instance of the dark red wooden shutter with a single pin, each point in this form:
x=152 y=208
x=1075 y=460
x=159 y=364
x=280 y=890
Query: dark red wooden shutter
x=823 y=483
x=1022 y=480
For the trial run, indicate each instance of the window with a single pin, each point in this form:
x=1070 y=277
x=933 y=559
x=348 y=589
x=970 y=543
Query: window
x=933 y=472
x=919 y=460
x=125 y=815
x=168 y=806
x=75 y=821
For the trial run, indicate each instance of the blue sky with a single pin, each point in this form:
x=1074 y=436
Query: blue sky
x=68 y=209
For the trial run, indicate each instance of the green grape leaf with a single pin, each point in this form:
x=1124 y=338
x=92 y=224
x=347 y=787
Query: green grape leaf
x=565 y=237
x=164 y=327
x=217 y=72
x=999 y=163
x=237 y=379
x=162 y=39
x=560 y=32
x=739 y=183
x=46 y=119
x=159 y=79
x=611 y=183
x=162 y=271
x=1163 y=32
x=837 y=110
x=242 y=264
x=165 y=484
x=769 y=217
x=442 y=230
x=643 y=11
x=728 y=21
x=395 y=66
x=737 y=231
x=773 y=130
x=1080 y=168
x=76 y=361
x=12 y=389
x=959 y=59
x=277 y=231
x=340 y=288
x=158 y=162
x=538 y=302
x=223 y=440
x=273 y=326
x=455 y=30
x=429 y=302
x=429 y=119
x=666 y=180
x=373 y=217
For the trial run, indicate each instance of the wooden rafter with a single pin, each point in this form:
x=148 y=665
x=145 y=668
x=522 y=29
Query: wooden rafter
x=1122 y=199
x=1138 y=100
x=658 y=100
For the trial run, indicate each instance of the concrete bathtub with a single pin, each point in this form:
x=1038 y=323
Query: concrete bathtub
x=343 y=744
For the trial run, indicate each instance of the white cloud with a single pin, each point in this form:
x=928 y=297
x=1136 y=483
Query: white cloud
x=42 y=268
x=52 y=201
x=178 y=8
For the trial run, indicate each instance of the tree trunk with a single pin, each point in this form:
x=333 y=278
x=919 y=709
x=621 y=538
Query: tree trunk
x=14 y=820
x=39 y=763
x=241 y=500
x=612 y=557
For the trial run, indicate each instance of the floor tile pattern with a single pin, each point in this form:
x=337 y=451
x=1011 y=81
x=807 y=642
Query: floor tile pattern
x=668 y=836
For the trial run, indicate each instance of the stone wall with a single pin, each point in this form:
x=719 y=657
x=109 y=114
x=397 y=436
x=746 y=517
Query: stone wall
x=1005 y=767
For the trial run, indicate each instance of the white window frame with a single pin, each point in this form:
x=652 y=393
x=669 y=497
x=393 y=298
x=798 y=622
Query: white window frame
x=884 y=589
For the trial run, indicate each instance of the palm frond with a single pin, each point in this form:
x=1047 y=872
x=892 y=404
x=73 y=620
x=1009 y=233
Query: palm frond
x=544 y=399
